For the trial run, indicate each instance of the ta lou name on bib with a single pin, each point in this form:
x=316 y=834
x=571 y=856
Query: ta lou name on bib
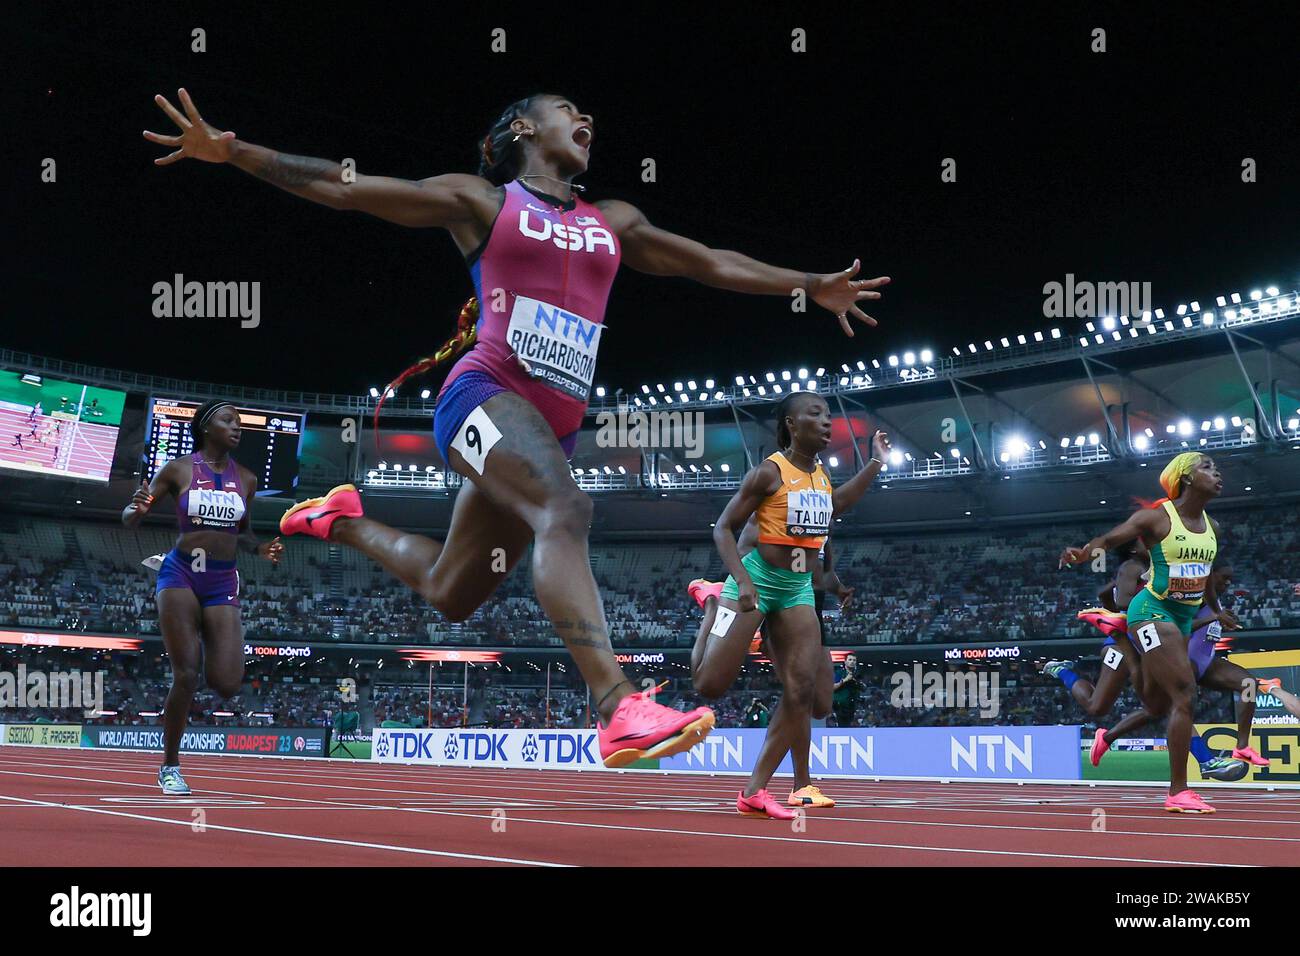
x=807 y=514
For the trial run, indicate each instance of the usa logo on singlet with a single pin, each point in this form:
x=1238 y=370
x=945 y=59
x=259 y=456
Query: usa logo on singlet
x=572 y=238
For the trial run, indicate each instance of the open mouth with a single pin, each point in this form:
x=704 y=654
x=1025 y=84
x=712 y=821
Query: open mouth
x=583 y=136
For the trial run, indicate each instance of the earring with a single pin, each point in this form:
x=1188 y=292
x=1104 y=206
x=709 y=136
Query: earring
x=524 y=133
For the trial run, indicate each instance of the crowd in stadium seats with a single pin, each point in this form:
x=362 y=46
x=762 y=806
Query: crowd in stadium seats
x=136 y=685
x=1001 y=585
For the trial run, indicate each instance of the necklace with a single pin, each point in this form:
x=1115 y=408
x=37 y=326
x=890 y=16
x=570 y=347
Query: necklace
x=812 y=459
x=572 y=186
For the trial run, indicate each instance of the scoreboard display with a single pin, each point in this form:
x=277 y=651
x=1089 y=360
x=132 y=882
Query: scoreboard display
x=268 y=445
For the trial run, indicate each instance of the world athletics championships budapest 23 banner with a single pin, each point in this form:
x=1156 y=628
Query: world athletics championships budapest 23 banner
x=977 y=753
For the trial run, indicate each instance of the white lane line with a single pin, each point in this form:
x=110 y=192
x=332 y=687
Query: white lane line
x=289 y=836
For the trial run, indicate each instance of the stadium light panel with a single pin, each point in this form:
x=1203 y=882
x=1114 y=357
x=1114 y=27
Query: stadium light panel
x=1056 y=333
x=1141 y=442
x=708 y=383
x=785 y=376
x=895 y=457
x=1181 y=310
x=1093 y=438
x=1160 y=313
x=1090 y=327
x=927 y=356
x=835 y=462
x=1006 y=343
x=1196 y=306
x=1065 y=443
x=909 y=359
x=955 y=452
x=803 y=373
x=1220 y=301
x=1108 y=323
x=424 y=393
x=1219 y=424
x=660 y=387
x=1272 y=290
x=893 y=361
x=677 y=386
x=725 y=467
x=1038 y=336
x=374 y=392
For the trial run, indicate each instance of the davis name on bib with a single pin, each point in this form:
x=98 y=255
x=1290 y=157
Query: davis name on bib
x=216 y=506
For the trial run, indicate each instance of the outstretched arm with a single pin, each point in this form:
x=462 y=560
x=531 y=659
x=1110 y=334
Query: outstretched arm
x=437 y=201
x=847 y=495
x=656 y=251
x=1145 y=523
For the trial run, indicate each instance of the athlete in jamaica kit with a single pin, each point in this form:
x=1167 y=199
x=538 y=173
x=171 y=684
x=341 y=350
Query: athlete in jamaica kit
x=1183 y=544
x=198 y=587
x=542 y=262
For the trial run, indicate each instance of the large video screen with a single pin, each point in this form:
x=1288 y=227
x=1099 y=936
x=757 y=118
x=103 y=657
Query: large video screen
x=53 y=427
x=268 y=445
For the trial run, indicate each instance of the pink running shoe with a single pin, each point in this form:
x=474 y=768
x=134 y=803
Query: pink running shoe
x=1099 y=746
x=1250 y=755
x=1110 y=623
x=699 y=589
x=640 y=729
x=761 y=804
x=316 y=516
x=1187 y=802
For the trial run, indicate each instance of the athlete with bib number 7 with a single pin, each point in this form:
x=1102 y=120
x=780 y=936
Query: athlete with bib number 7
x=1183 y=543
x=507 y=419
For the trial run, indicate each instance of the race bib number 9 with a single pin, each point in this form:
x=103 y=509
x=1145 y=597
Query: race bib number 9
x=807 y=514
x=556 y=347
x=475 y=439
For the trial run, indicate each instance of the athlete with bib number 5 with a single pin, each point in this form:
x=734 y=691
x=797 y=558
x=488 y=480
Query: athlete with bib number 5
x=1183 y=543
x=542 y=261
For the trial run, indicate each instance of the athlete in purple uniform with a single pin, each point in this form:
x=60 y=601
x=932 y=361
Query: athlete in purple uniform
x=198 y=586
x=542 y=261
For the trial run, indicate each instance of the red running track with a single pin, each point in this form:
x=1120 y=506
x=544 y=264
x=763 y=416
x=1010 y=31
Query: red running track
x=103 y=808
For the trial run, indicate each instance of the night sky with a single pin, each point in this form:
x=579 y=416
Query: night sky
x=1115 y=166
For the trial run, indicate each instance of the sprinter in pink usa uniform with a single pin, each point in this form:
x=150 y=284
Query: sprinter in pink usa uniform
x=507 y=417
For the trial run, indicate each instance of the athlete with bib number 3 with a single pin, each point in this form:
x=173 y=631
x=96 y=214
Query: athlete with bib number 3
x=542 y=261
x=1183 y=543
